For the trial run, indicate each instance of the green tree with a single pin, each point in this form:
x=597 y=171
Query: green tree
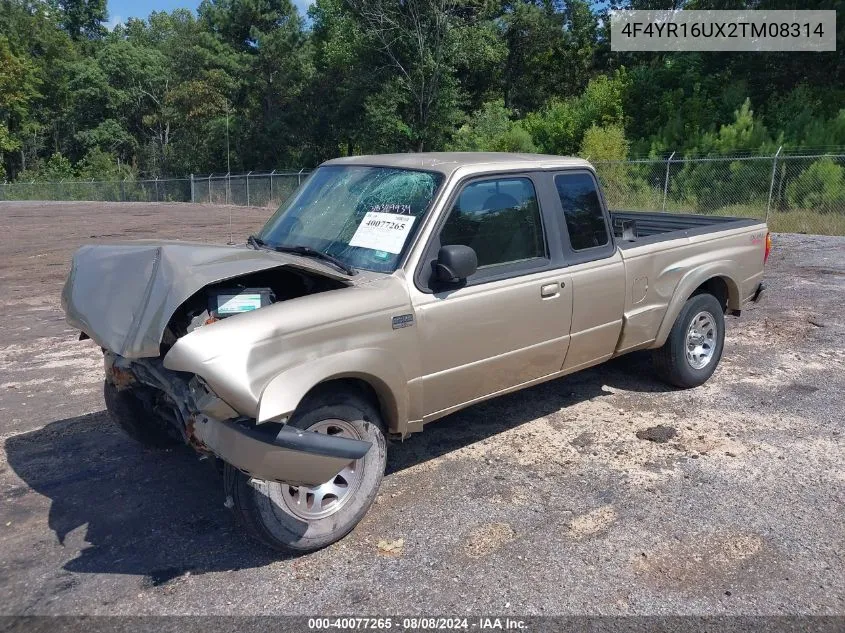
x=340 y=86
x=55 y=169
x=162 y=95
x=32 y=68
x=604 y=143
x=242 y=22
x=717 y=184
x=82 y=18
x=18 y=89
x=559 y=128
x=492 y=129
x=745 y=133
x=550 y=51
x=100 y=165
x=479 y=53
x=414 y=40
x=819 y=188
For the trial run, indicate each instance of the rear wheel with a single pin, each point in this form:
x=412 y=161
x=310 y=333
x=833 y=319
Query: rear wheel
x=131 y=409
x=305 y=518
x=694 y=346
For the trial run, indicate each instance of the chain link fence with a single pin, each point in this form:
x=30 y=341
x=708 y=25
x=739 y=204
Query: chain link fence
x=252 y=189
x=795 y=194
x=158 y=190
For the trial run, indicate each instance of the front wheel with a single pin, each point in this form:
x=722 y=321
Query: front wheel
x=694 y=346
x=306 y=518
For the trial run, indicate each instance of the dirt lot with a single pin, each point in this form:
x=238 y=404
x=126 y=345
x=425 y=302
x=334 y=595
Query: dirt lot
x=542 y=502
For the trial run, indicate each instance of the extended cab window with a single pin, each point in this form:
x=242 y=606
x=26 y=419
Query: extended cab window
x=582 y=210
x=499 y=219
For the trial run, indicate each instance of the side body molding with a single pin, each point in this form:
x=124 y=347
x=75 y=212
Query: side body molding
x=687 y=285
x=374 y=366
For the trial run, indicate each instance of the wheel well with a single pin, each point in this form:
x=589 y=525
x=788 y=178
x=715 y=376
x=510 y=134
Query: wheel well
x=718 y=287
x=361 y=386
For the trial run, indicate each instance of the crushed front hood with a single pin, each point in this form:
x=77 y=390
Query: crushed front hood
x=123 y=295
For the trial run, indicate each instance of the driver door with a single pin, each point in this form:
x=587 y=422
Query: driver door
x=509 y=324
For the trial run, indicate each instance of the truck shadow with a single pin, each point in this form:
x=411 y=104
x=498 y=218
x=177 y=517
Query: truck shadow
x=156 y=514
x=632 y=372
x=160 y=514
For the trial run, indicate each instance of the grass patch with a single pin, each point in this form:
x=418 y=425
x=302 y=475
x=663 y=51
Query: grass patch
x=807 y=222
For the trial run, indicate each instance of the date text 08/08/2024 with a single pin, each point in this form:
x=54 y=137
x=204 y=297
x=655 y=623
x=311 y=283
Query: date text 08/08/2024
x=417 y=623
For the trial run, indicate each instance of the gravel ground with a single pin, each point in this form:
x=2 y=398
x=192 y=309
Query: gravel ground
x=541 y=502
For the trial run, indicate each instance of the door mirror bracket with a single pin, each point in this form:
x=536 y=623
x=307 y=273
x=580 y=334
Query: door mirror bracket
x=455 y=262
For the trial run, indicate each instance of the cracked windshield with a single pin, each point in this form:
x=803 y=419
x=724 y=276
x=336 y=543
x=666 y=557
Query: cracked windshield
x=361 y=215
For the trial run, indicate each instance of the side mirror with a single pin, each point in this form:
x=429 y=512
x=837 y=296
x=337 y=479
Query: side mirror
x=455 y=263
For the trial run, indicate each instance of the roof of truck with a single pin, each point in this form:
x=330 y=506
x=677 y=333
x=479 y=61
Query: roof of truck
x=448 y=162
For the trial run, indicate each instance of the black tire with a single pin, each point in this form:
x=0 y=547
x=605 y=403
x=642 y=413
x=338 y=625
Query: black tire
x=261 y=507
x=128 y=409
x=671 y=362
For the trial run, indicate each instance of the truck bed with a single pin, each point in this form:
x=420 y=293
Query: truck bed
x=638 y=227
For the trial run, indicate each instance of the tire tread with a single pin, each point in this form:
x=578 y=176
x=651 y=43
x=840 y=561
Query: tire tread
x=669 y=361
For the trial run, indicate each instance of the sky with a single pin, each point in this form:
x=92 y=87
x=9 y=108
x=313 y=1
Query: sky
x=122 y=10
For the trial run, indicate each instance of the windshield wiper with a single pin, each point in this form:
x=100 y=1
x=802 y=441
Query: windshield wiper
x=307 y=251
x=257 y=242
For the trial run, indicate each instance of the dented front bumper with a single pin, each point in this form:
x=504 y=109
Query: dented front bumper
x=208 y=424
x=291 y=456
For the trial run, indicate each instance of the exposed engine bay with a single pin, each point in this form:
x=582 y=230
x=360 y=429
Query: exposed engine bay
x=124 y=296
x=247 y=293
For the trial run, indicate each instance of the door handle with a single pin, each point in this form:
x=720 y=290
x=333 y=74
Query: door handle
x=548 y=291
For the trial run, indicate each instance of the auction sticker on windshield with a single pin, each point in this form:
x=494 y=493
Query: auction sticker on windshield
x=383 y=231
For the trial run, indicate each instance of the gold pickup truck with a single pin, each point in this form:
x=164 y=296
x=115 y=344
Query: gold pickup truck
x=388 y=292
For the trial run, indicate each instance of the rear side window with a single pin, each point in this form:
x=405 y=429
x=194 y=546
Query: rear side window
x=499 y=219
x=582 y=211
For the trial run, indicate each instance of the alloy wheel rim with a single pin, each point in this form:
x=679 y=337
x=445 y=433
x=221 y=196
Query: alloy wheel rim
x=701 y=340
x=325 y=499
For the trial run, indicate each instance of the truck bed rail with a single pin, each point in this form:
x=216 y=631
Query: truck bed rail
x=633 y=226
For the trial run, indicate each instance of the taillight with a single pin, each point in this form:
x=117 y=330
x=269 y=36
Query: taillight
x=768 y=247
